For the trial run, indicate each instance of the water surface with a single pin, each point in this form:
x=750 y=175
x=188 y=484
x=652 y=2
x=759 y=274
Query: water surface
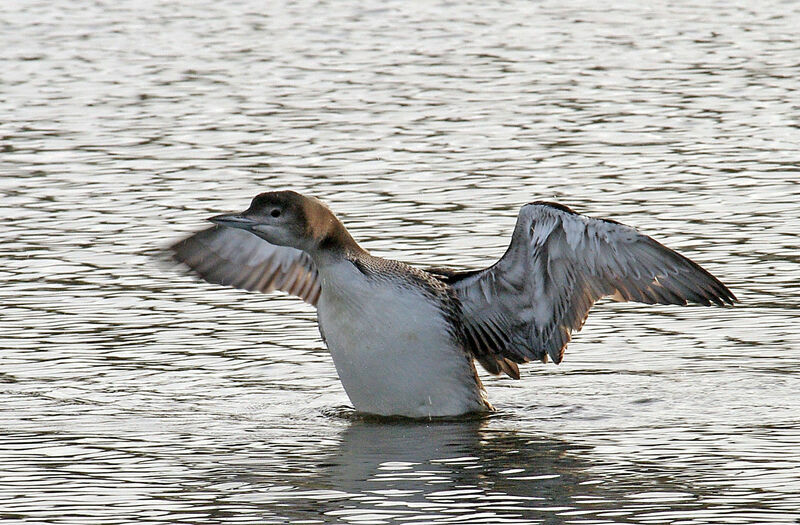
x=131 y=392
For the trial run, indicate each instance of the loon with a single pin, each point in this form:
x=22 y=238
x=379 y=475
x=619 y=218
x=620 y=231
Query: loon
x=404 y=340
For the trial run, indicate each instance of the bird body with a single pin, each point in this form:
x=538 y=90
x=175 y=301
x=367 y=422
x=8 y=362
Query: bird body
x=404 y=340
x=393 y=347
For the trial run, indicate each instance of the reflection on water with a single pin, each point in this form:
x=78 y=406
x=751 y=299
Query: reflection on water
x=460 y=469
x=469 y=471
x=130 y=392
x=476 y=471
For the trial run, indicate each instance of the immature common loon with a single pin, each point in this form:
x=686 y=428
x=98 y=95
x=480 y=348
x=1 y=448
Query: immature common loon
x=404 y=340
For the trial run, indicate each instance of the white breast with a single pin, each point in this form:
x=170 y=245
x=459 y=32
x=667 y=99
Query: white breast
x=392 y=349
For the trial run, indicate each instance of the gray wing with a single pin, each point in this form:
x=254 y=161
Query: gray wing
x=559 y=263
x=237 y=258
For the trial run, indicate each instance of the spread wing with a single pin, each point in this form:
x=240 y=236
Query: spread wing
x=559 y=263
x=237 y=258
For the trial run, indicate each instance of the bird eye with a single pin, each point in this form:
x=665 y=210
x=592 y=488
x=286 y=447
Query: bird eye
x=275 y=213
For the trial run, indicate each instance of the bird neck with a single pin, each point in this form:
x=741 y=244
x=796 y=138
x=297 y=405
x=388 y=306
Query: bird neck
x=330 y=242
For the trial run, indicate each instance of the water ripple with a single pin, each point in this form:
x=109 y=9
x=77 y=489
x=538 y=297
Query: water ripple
x=132 y=393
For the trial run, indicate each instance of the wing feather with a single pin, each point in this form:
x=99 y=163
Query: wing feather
x=559 y=263
x=233 y=257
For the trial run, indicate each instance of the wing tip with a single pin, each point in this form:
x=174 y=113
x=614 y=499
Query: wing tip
x=558 y=357
x=497 y=365
x=510 y=368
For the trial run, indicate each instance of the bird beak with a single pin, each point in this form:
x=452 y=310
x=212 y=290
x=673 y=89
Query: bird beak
x=233 y=220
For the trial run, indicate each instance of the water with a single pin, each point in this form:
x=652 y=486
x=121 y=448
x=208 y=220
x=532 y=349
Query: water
x=130 y=392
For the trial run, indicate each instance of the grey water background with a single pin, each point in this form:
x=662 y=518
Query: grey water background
x=131 y=392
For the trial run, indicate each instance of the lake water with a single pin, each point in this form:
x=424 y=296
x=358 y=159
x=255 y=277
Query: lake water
x=131 y=392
